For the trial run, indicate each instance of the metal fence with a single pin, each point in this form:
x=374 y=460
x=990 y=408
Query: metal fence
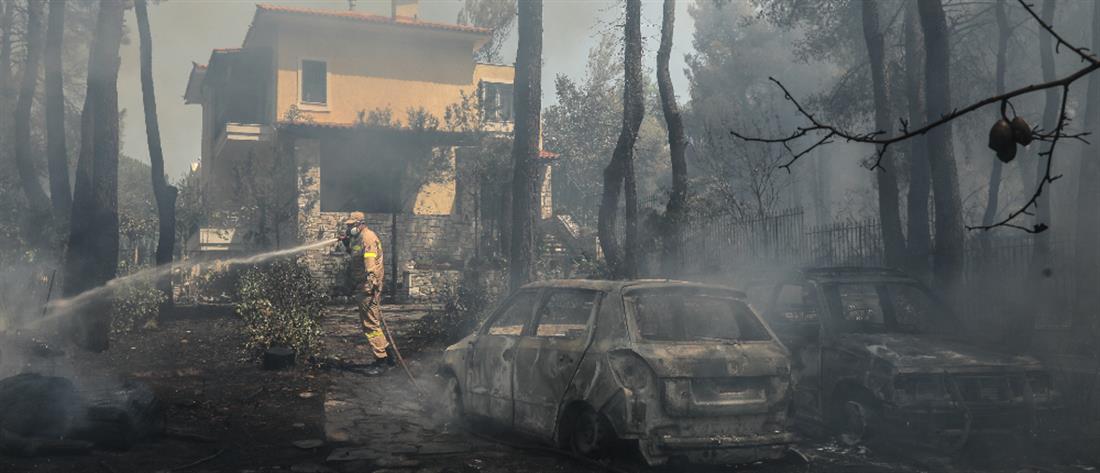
x=729 y=244
x=999 y=272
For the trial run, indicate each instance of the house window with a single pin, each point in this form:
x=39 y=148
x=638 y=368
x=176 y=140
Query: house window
x=314 y=82
x=496 y=101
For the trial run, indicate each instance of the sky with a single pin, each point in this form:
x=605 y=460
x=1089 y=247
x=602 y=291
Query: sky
x=185 y=31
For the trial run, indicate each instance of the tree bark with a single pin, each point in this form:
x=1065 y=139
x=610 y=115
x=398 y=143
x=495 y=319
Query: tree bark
x=618 y=175
x=1052 y=101
x=164 y=193
x=893 y=242
x=6 y=91
x=57 y=154
x=37 y=199
x=1087 y=253
x=949 y=234
x=919 y=235
x=994 y=187
x=677 y=143
x=92 y=255
x=525 y=146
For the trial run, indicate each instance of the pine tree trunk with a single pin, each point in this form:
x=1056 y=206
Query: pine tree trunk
x=994 y=187
x=92 y=255
x=6 y=91
x=621 y=259
x=525 y=146
x=164 y=193
x=1087 y=253
x=57 y=154
x=677 y=144
x=918 y=234
x=893 y=242
x=37 y=199
x=949 y=234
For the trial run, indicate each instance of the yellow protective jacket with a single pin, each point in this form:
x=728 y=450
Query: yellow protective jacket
x=367 y=265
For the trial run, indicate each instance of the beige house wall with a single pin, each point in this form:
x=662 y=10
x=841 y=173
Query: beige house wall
x=376 y=69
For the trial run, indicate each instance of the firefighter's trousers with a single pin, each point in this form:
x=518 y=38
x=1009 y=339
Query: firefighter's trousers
x=370 y=314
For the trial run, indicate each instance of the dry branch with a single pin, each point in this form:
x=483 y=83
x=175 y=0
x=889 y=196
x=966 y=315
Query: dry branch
x=828 y=133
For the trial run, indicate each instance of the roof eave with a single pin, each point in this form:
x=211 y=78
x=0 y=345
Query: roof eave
x=193 y=93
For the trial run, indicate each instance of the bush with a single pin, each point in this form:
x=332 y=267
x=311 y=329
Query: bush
x=213 y=282
x=281 y=305
x=136 y=304
x=464 y=307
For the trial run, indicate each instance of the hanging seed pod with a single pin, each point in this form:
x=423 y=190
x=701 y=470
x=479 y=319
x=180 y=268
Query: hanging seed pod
x=1021 y=131
x=1001 y=141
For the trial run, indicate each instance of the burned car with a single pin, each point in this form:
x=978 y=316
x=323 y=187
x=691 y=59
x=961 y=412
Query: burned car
x=876 y=353
x=686 y=370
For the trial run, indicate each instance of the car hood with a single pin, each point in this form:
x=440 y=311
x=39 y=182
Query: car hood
x=926 y=353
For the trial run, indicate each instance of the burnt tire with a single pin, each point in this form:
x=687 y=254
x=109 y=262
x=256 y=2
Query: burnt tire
x=854 y=416
x=589 y=432
x=451 y=400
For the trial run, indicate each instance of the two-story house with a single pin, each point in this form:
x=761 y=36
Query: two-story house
x=322 y=112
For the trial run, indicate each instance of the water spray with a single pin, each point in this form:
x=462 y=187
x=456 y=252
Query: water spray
x=61 y=307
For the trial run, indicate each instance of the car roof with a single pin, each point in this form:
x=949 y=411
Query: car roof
x=607 y=285
x=853 y=273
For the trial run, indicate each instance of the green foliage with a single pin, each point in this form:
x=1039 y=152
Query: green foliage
x=497 y=15
x=215 y=283
x=136 y=305
x=137 y=208
x=281 y=305
x=190 y=211
x=464 y=308
x=583 y=127
x=296 y=115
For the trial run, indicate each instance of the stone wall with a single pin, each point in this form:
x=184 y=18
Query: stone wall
x=431 y=250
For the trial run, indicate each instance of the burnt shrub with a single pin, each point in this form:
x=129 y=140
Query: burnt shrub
x=281 y=305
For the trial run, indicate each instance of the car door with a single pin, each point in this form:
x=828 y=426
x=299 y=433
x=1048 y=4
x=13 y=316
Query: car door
x=852 y=310
x=490 y=367
x=794 y=314
x=547 y=358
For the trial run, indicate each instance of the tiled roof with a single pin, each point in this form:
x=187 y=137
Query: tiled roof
x=369 y=18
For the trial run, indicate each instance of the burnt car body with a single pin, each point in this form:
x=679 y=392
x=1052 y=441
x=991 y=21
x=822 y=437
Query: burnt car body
x=686 y=370
x=873 y=350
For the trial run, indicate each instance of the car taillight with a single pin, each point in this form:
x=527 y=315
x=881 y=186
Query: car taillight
x=631 y=370
x=910 y=389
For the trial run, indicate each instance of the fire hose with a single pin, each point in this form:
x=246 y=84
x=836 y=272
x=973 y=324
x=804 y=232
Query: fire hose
x=397 y=354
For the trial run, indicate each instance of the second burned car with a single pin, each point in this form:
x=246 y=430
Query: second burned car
x=687 y=371
x=876 y=353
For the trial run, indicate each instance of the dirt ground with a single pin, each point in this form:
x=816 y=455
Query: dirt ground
x=220 y=405
x=225 y=414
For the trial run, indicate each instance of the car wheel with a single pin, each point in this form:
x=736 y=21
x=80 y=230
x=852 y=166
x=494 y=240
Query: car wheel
x=854 y=415
x=853 y=422
x=451 y=399
x=590 y=433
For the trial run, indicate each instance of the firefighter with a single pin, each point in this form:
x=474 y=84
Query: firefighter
x=367 y=274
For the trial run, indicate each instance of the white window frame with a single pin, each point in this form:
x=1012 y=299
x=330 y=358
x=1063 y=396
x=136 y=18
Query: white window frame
x=314 y=106
x=482 y=86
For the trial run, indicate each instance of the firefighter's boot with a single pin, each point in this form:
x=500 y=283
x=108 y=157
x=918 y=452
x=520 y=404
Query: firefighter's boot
x=377 y=367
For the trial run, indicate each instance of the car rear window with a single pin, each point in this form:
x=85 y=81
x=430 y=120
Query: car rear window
x=693 y=314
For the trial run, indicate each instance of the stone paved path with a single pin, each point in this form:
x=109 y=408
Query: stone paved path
x=383 y=424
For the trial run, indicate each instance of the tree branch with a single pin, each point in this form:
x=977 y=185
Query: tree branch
x=829 y=132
